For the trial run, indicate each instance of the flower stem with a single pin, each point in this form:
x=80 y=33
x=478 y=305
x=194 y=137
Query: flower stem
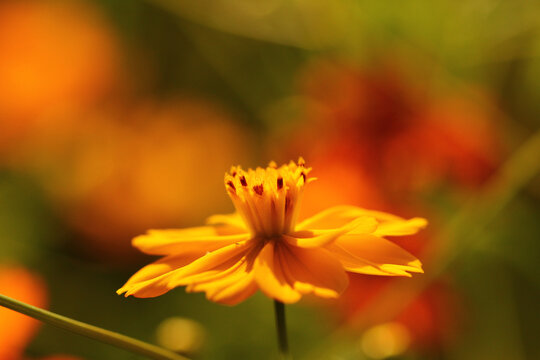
x=90 y=331
x=281 y=327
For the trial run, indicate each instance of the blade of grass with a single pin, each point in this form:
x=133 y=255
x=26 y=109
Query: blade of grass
x=90 y=331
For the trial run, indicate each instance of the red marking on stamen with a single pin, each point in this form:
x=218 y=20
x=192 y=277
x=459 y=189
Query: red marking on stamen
x=230 y=183
x=234 y=174
x=243 y=180
x=304 y=177
x=279 y=183
x=258 y=189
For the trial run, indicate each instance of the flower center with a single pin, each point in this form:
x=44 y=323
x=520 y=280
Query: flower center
x=268 y=199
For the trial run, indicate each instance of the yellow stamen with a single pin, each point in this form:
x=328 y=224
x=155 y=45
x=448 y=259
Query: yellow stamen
x=268 y=199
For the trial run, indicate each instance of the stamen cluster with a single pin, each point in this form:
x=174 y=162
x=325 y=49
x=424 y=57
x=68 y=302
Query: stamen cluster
x=268 y=199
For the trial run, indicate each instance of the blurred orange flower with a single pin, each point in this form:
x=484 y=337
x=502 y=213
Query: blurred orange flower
x=262 y=246
x=453 y=141
x=56 y=57
x=139 y=168
x=16 y=330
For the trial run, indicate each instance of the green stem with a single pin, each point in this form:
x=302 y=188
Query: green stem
x=281 y=327
x=90 y=331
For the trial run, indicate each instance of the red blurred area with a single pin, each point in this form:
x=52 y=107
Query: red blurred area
x=377 y=138
x=398 y=133
x=454 y=141
x=56 y=58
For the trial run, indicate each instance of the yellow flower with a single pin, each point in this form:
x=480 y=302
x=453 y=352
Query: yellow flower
x=262 y=246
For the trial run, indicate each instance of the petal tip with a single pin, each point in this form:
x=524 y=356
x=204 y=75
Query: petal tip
x=135 y=242
x=420 y=222
x=123 y=291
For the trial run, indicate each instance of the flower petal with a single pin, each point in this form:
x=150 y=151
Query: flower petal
x=314 y=271
x=401 y=227
x=331 y=218
x=140 y=284
x=229 y=286
x=174 y=271
x=233 y=220
x=318 y=238
x=270 y=278
x=337 y=216
x=369 y=254
x=186 y=241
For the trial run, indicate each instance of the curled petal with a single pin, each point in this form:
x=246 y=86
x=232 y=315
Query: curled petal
x=401 y=227
x=318 y=238
x=389 y=225
x=187 y=241
x=369 y=254
x=392 y=225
